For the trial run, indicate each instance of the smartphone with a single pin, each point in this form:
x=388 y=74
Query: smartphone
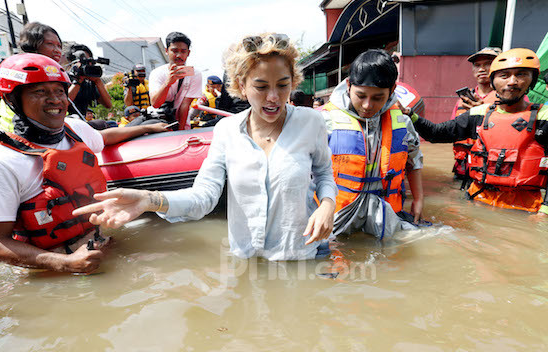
x=187 y=70
x=466 y=92
x=172 y=124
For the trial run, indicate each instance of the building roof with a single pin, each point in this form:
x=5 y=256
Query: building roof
x=149 y=40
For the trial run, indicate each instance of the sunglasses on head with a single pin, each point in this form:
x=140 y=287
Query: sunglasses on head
x=252 y=44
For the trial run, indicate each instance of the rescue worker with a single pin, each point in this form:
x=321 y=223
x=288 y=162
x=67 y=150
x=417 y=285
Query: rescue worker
x=137 y=95
x=35 y=37
x=508 y=160
x=210 y=94
x=483 y=94
x=374 y=146
x=47 y=169
x=130 y=113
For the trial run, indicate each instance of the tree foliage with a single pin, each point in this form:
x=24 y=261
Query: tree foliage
x=116 y=92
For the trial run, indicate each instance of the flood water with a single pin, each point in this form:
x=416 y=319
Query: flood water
x=475 y=281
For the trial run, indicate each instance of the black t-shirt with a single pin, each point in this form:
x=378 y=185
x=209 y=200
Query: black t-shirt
x=87 y=95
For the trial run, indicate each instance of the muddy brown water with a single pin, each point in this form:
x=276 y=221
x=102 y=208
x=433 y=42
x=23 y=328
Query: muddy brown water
x=475 y=281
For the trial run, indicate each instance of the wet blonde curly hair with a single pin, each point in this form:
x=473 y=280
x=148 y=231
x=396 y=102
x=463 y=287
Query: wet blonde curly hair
x=238 y=61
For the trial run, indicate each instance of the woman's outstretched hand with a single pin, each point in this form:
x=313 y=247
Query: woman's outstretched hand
x=320 y=223
x=120 y=206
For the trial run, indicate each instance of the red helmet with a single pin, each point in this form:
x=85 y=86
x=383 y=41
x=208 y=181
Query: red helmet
x=29 y=68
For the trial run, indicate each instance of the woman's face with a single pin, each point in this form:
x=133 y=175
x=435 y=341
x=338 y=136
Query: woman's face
x=267 y=87
x=368 y=101
x=51 y=46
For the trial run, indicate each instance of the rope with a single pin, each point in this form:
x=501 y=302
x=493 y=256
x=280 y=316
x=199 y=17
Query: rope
x=192 y=141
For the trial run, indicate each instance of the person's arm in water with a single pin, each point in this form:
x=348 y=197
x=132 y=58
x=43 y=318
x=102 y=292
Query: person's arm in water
x=117 y=135
x=413 y=171
x=320 y=223
x=26 y=255
x=415 y=184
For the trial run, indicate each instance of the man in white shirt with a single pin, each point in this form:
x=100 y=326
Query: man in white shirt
x=175 y=85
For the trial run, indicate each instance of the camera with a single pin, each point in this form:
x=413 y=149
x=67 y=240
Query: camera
x=131 y=79
x=88 y=66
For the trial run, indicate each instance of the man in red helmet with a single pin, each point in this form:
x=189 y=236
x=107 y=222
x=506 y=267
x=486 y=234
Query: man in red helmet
x=47 y=168
x=508 y=161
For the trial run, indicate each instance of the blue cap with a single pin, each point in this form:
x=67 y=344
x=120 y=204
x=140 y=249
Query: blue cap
x=130 y=110
x=214 y=80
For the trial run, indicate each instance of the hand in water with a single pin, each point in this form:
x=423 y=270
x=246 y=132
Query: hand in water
x=320 y=223
x=84 y=260
x=118 y=207
x=416 y=210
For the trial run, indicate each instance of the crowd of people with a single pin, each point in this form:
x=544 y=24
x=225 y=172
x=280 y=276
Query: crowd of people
x=295 y=176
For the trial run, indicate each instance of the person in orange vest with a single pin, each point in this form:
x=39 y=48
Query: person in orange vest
x=211 y=93
x=508 y=162
x=47 y=169
x=374 y=146
x=483 y=93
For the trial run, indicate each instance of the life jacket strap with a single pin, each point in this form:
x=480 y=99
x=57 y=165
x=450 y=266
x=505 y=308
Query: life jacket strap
x=533 y=118
x=491 y=110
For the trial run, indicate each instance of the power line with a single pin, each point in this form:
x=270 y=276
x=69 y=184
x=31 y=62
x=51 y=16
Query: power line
x=101 y=18
x=90 y=29
x=143 y=19
x=104 y=21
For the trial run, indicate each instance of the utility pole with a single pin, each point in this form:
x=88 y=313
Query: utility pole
x=13 y=42
x=22 y=10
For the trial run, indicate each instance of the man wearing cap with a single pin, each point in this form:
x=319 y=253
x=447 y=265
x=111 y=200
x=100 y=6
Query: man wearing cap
x=508 y=162
x=211 y=92
x=138 y=95
x=483 y=94
x=130 y=113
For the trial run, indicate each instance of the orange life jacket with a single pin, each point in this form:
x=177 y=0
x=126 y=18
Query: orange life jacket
x=461 y=149
x=506 y=154
x=348 y=146
x=71 y=177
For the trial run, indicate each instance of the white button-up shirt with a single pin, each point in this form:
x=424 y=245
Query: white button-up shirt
x=269 y=199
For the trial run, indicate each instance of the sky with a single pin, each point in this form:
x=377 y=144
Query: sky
x=211 y=25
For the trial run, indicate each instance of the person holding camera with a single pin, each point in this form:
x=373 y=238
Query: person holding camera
x=136 y=88
x=87 y=86
x=174 y=85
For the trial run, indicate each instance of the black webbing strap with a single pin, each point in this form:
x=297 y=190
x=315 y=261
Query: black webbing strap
x=69 y=132
x=500 y=160
x=20 y=146
x=492 y=109
x=533 y=118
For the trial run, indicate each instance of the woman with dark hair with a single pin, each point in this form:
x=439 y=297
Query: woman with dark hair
x=374 y=145
x=39 y=38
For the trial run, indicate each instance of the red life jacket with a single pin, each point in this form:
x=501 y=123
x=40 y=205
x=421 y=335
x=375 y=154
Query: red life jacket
x=71 y=178
x=461 y=149
x=506 y=153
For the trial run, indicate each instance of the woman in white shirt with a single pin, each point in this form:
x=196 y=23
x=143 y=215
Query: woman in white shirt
x=269 y=155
